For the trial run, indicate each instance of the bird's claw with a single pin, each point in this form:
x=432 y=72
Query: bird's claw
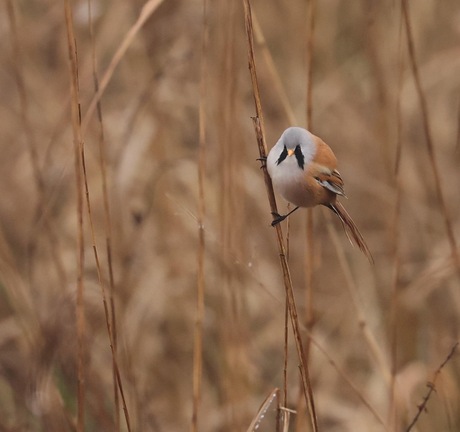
x=277 y=218
x=263 y=161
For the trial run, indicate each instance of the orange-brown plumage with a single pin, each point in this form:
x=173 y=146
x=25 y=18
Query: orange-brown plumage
x=303 y=169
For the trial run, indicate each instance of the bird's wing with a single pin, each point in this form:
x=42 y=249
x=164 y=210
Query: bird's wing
x=327 y=178
x=323 y=168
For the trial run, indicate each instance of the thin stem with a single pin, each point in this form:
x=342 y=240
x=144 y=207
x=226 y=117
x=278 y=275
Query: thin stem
x=200 y=287
x=429 y=139
x=259 y=129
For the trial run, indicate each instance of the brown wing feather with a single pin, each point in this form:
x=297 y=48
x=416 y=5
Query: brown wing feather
x=327 y=178
x=324 y=168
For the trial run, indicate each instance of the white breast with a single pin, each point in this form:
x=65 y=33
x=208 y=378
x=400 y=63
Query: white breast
x=288 y=177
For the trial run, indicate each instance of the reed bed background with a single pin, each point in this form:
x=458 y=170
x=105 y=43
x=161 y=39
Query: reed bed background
x=163 y=308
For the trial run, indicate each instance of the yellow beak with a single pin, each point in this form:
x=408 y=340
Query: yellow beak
x=290 y=152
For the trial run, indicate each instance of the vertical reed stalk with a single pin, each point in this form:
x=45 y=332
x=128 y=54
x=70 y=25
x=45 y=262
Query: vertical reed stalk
x=200 y=303
x=309 y=228
x=108 y=222
x=429 y=140
x=78 y=144
x=102 y=286
x=309 y=113
x=260 y=134
x=393 y=414
x=82 y=180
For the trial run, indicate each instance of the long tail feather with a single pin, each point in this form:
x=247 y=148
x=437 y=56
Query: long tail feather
x=350 y=228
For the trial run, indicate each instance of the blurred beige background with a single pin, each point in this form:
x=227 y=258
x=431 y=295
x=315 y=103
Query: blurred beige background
x=385 y=329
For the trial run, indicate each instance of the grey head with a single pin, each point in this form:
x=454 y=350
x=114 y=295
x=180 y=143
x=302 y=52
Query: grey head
x=295 y=141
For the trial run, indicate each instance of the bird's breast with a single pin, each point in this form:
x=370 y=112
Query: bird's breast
x=293 y=185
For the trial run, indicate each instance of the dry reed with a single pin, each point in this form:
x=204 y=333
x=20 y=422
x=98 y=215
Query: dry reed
x=113 y=218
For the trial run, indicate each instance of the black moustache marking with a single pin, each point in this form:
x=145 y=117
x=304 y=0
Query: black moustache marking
x=300 y=157
x=283 y=156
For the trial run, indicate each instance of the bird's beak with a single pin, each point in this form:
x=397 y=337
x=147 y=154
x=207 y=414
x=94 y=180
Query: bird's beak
x=290 y=152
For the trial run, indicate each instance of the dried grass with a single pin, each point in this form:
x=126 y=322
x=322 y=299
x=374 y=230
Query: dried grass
x=375 y=335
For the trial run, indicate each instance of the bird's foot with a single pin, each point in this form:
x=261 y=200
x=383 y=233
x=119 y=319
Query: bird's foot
x=277 y=218
x=263 y=161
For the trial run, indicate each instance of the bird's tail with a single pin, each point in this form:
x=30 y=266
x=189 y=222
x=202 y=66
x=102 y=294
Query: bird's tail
x=350 y=228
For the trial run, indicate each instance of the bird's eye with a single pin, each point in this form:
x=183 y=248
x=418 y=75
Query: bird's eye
x=299 y=156
x=283 y=156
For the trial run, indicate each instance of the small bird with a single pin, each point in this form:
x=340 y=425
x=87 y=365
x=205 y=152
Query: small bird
x=303 y=169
